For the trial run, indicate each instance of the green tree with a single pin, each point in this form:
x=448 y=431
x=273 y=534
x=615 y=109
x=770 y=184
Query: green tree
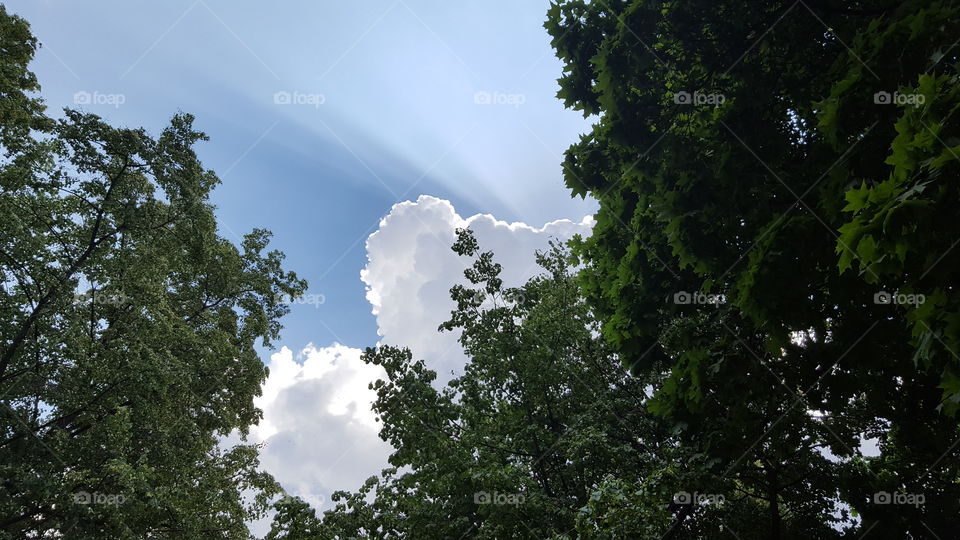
x=127 y=328
x=294 y=520
x=759 y=153
x=532 y=440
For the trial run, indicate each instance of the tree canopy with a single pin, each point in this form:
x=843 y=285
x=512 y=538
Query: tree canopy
x=775 y=183
x=517 y=447
x=128 y=327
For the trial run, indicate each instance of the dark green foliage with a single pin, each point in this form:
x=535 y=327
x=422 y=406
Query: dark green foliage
x=752 y=151
x=542 y=417
x=294 y=520
x=546 y=421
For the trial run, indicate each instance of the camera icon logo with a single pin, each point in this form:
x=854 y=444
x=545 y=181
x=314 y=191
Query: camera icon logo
x=881 y=497
x=481 y=497
x=682 y=297
x=882 y=297
x=82 y=497
x=682 y=98
x=682 y=497
x=482 y=98
x=282 y=98
x=83 y=98
x=882 y=98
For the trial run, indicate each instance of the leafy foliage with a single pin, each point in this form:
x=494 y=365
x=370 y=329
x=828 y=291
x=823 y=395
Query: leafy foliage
x=759 y=153
x=546 y=435
x=129 y=324
x=516 y=446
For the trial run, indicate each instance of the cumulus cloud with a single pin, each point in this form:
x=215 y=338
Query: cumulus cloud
x=317 y=423
x=319 y=430
x=411 y=268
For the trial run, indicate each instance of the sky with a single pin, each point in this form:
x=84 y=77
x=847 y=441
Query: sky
x=323 y=114
x=361 y=134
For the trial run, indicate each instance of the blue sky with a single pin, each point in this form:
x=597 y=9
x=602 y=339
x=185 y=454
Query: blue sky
x=387 y=100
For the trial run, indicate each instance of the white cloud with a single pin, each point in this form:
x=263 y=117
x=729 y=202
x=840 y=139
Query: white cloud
x=319 y=429
x=345 y=376
x=320 y=433
x=411 y=268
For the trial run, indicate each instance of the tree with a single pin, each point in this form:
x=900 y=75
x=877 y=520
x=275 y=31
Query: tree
x=516 y=446
x=545 y=435
x=747 y=159
x=128 y=327
x=294 y=520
